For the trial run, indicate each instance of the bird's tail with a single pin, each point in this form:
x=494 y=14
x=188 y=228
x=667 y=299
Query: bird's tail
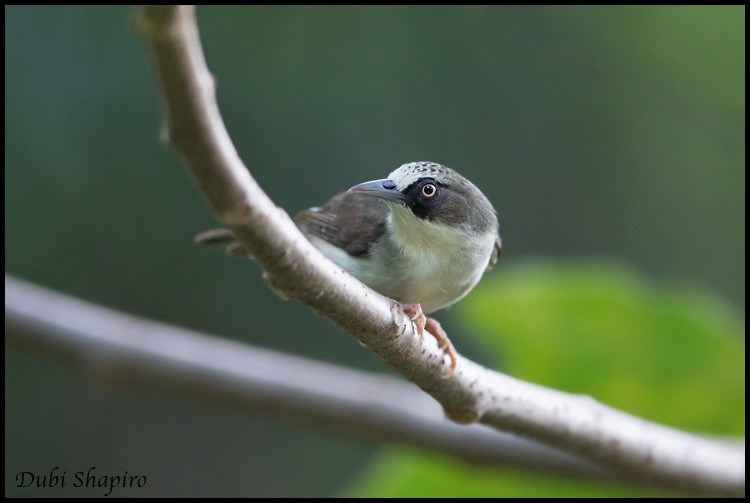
x=222 y=237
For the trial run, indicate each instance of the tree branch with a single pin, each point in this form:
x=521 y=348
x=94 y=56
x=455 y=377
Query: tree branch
x=631 y=447
x=124 y=349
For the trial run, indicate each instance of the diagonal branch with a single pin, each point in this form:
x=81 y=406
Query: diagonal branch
x=120 y=348
x=644 y=452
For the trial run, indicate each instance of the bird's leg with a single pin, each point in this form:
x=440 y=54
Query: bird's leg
x=414 y=311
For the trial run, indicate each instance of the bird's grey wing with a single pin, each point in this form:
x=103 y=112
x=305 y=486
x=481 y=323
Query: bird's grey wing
x=496 y=252
x=352 y=222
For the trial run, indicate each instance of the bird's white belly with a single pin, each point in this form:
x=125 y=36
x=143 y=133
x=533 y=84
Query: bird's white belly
x=437 y=277
x=432 y=264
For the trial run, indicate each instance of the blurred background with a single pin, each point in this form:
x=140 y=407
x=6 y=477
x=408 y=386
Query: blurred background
x=596 y=132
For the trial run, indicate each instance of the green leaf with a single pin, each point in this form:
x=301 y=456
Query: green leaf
x=671 y=354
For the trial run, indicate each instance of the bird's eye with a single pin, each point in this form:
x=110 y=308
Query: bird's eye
x=429 y=190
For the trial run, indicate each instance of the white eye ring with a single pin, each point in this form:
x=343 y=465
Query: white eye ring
x=429 y=190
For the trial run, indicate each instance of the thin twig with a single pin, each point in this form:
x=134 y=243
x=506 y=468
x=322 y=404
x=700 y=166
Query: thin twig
x=646 y=453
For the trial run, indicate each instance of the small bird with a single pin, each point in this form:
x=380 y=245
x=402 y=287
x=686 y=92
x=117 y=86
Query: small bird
x=423 y=237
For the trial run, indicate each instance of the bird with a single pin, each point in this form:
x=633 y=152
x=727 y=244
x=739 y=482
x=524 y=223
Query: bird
x=423 y=236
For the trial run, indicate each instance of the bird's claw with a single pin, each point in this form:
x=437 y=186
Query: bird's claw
x=414 y=312
x=422 y=322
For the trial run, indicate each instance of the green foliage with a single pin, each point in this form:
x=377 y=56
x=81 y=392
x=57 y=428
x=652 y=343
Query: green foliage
x=672 y=355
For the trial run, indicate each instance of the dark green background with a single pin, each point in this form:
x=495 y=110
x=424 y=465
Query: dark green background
x=614 y=132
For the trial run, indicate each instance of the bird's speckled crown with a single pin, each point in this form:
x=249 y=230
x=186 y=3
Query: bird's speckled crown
x=409 y=173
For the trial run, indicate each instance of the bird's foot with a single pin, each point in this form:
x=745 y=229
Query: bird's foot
x=414 y=311
x=422 y=322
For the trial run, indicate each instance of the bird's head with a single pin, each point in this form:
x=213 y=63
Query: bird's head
x=434 y=193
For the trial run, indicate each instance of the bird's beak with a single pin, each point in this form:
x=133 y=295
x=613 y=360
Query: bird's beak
x=382 y=189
